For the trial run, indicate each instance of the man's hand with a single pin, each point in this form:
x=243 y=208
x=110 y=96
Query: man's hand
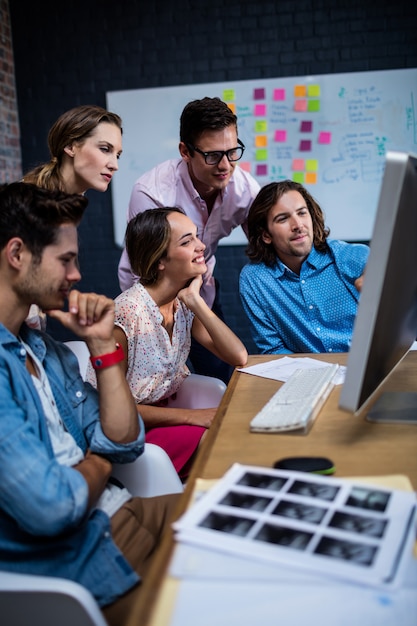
x=90 y=316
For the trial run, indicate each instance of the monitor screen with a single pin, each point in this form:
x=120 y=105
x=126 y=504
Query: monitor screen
x=386 y=322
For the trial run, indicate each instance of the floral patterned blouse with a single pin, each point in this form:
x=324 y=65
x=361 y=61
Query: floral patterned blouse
x=157 y=363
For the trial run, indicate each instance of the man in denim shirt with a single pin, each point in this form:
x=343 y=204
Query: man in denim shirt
x=60 y=515
x=301 y=289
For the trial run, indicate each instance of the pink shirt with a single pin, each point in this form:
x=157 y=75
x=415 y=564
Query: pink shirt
x=169 y=184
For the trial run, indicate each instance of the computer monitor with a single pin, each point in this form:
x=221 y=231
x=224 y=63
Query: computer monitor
x=386 y=322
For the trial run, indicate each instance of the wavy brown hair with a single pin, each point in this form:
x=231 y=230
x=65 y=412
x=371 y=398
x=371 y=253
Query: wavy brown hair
x=258 y=250
x=73 y=126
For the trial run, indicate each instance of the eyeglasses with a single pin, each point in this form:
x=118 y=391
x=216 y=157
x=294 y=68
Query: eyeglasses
x=215 y=156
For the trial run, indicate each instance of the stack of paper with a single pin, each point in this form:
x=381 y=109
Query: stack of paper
x=330 y=526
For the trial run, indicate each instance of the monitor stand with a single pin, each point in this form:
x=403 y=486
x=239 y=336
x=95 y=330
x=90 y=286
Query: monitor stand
x=397 y=407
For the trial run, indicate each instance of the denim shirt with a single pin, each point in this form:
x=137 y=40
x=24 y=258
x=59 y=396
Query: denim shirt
x=45 y=525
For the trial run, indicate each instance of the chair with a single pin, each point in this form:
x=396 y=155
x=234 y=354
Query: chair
x=27 y=599
x=153 y=474
x=50 y=601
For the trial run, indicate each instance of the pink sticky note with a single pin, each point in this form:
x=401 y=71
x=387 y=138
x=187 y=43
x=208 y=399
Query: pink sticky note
x=305 y=145
x=325 y=137
x=245 y=166
x=306 y=127
x=300 y=105
x=259 y=94
x=280 y=135
x=279 y=94
x=260 y=109
x=298 y=165
x=261 y=170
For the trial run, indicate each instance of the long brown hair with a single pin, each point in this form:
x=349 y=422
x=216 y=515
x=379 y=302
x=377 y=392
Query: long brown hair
x=75 y=125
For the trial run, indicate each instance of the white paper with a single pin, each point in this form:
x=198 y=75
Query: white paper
x=325 y=525
x=282 y=368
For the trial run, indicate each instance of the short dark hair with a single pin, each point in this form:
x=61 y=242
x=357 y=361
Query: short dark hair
x=147 y=239
x=35 y=214
x=258 y=250
x=204 y=114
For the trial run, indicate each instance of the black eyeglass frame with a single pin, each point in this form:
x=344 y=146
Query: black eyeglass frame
x=221 y=152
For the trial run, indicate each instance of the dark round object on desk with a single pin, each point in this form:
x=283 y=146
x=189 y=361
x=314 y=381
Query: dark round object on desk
x=314 y=464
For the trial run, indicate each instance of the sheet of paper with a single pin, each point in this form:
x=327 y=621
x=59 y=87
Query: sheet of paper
x=209 y=603
x=282 y=368
x=339 y=528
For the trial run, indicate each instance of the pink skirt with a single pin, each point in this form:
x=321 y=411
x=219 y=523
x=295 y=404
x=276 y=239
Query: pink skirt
x=179 y=442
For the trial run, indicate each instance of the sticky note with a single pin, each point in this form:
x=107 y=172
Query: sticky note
x=312 y=165
x=259 y=94
x=228 y=95
x=313 y=91
x=325 y=137
x=232 y=107
x=261 y=154
x=279 y=94
x=311 y=178
x=298 y=177
x=261 y=170
x=260 y=110
x=305 y=145
x=261 y=141
x=245 y=166
x=280 y=135
x=313 y=105
x=300 y=105
x=261 y=126
x=300 y=91
x=306 y=127
x=298 y=164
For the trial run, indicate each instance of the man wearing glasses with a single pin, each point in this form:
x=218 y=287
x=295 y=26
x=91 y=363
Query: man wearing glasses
x=213 y=192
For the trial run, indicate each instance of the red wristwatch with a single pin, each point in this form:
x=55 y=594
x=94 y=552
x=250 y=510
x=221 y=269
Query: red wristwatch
x=106 y=360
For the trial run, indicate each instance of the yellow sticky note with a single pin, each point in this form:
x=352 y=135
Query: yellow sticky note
x=229 y=95
x=232 y=107
x=312 y=165
x=313 y=91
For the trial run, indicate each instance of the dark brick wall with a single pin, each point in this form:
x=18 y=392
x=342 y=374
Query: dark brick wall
x=70 y=53
x=10 y=157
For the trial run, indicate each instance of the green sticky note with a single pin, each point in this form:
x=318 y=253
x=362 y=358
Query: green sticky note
x=260 y=126
x=298 y=177
x=313 y=105
x=261 y=155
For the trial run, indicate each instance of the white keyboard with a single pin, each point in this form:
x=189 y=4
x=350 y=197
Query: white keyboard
x=296 y=404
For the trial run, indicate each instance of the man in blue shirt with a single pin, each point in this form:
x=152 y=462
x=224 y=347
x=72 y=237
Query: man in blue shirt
x=301 y=290
x=60 y=513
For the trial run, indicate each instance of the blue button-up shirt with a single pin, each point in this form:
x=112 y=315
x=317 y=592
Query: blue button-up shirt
x=310 y=312
x=45 y=525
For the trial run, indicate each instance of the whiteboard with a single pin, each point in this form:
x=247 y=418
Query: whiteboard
x=329 y=132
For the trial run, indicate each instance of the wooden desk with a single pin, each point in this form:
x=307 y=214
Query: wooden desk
x=357 y=447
